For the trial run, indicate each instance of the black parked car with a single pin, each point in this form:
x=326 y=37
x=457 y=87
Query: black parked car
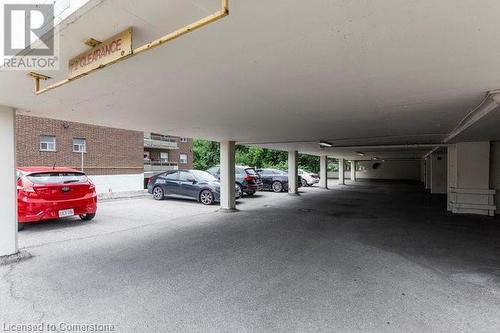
x=186 y=184
x=276 y=180
x=247 y=179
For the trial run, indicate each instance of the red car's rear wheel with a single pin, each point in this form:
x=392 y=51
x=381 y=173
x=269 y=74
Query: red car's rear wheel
x=87 y=217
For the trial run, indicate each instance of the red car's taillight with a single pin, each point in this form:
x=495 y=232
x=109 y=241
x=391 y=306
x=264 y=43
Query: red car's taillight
x=91 y=185
x=26 y=187
x=250 y=179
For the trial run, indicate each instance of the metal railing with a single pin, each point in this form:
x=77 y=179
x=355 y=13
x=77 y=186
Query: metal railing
x=154 y=167
x=159 y=163
x=161 y=144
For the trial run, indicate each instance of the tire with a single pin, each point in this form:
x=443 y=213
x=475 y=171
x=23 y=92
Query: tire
x=206 y=197
x=20 y=227
x=240 y=192
x=304 y=183
x=87 y=217
x=158 y=193
x=277 y=187
x=250 y=193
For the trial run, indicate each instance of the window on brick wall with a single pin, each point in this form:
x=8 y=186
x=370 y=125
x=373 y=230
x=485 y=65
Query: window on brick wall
x=79 y=145
x=184 y=140
x=47 y=143
x=183 y=158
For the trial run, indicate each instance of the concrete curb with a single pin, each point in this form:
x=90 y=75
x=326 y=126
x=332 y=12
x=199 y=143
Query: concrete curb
x=122 y=195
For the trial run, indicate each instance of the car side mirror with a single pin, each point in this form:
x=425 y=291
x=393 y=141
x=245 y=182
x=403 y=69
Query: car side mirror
x=192 y=180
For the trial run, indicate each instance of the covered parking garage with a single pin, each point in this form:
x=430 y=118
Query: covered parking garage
x=379 y=82
x=358 y=257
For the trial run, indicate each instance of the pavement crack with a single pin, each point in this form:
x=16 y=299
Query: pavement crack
x=16 y=296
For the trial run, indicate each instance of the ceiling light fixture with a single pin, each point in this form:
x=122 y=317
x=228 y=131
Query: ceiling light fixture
x=360 y=153
x=325 y=144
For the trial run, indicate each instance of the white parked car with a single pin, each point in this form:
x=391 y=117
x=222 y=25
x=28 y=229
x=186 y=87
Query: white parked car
x=308 y=178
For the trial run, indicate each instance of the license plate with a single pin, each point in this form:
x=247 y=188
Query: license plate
x=66 y=212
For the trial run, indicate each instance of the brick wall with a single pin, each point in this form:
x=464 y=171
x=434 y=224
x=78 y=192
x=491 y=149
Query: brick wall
x=110 y=151
x=174 y=154
x=184 y=148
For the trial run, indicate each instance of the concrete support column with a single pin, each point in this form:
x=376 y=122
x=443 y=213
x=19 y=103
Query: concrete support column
x=469 y=179
x=495 y=172
x=422 y=171
x=8 y=191
x=428 y=173
x=323 y=172
x=227 y=176
x=353 y=171
x=341 y=172
x=452 y=174
x=293 y=172
x=439 y=179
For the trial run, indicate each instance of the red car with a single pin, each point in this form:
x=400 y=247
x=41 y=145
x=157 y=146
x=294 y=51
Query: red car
x=46 y=193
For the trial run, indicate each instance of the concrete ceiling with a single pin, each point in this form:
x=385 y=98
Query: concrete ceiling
x=284 y=73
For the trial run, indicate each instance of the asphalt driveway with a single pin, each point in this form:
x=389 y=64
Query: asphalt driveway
x=360 y=258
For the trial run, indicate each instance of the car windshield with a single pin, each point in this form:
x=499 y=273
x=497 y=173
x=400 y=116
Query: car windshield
x=48 y=178
x=203 y=176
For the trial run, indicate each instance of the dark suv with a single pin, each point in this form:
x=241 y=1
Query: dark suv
x=247 y=178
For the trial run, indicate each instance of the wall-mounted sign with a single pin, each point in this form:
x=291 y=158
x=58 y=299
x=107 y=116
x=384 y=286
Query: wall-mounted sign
x=103 y=54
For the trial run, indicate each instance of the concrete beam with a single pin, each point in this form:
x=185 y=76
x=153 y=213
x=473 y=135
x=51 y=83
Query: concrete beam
x=8 y=191
x=323 y=172
x=293 y=172
x=489 y=103
x=227 y=176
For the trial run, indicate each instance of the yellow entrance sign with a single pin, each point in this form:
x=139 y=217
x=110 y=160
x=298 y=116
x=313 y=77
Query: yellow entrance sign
x=103 y=54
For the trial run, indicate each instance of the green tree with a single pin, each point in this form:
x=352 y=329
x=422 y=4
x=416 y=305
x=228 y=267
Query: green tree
x=206 y=154
x=309 y=163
